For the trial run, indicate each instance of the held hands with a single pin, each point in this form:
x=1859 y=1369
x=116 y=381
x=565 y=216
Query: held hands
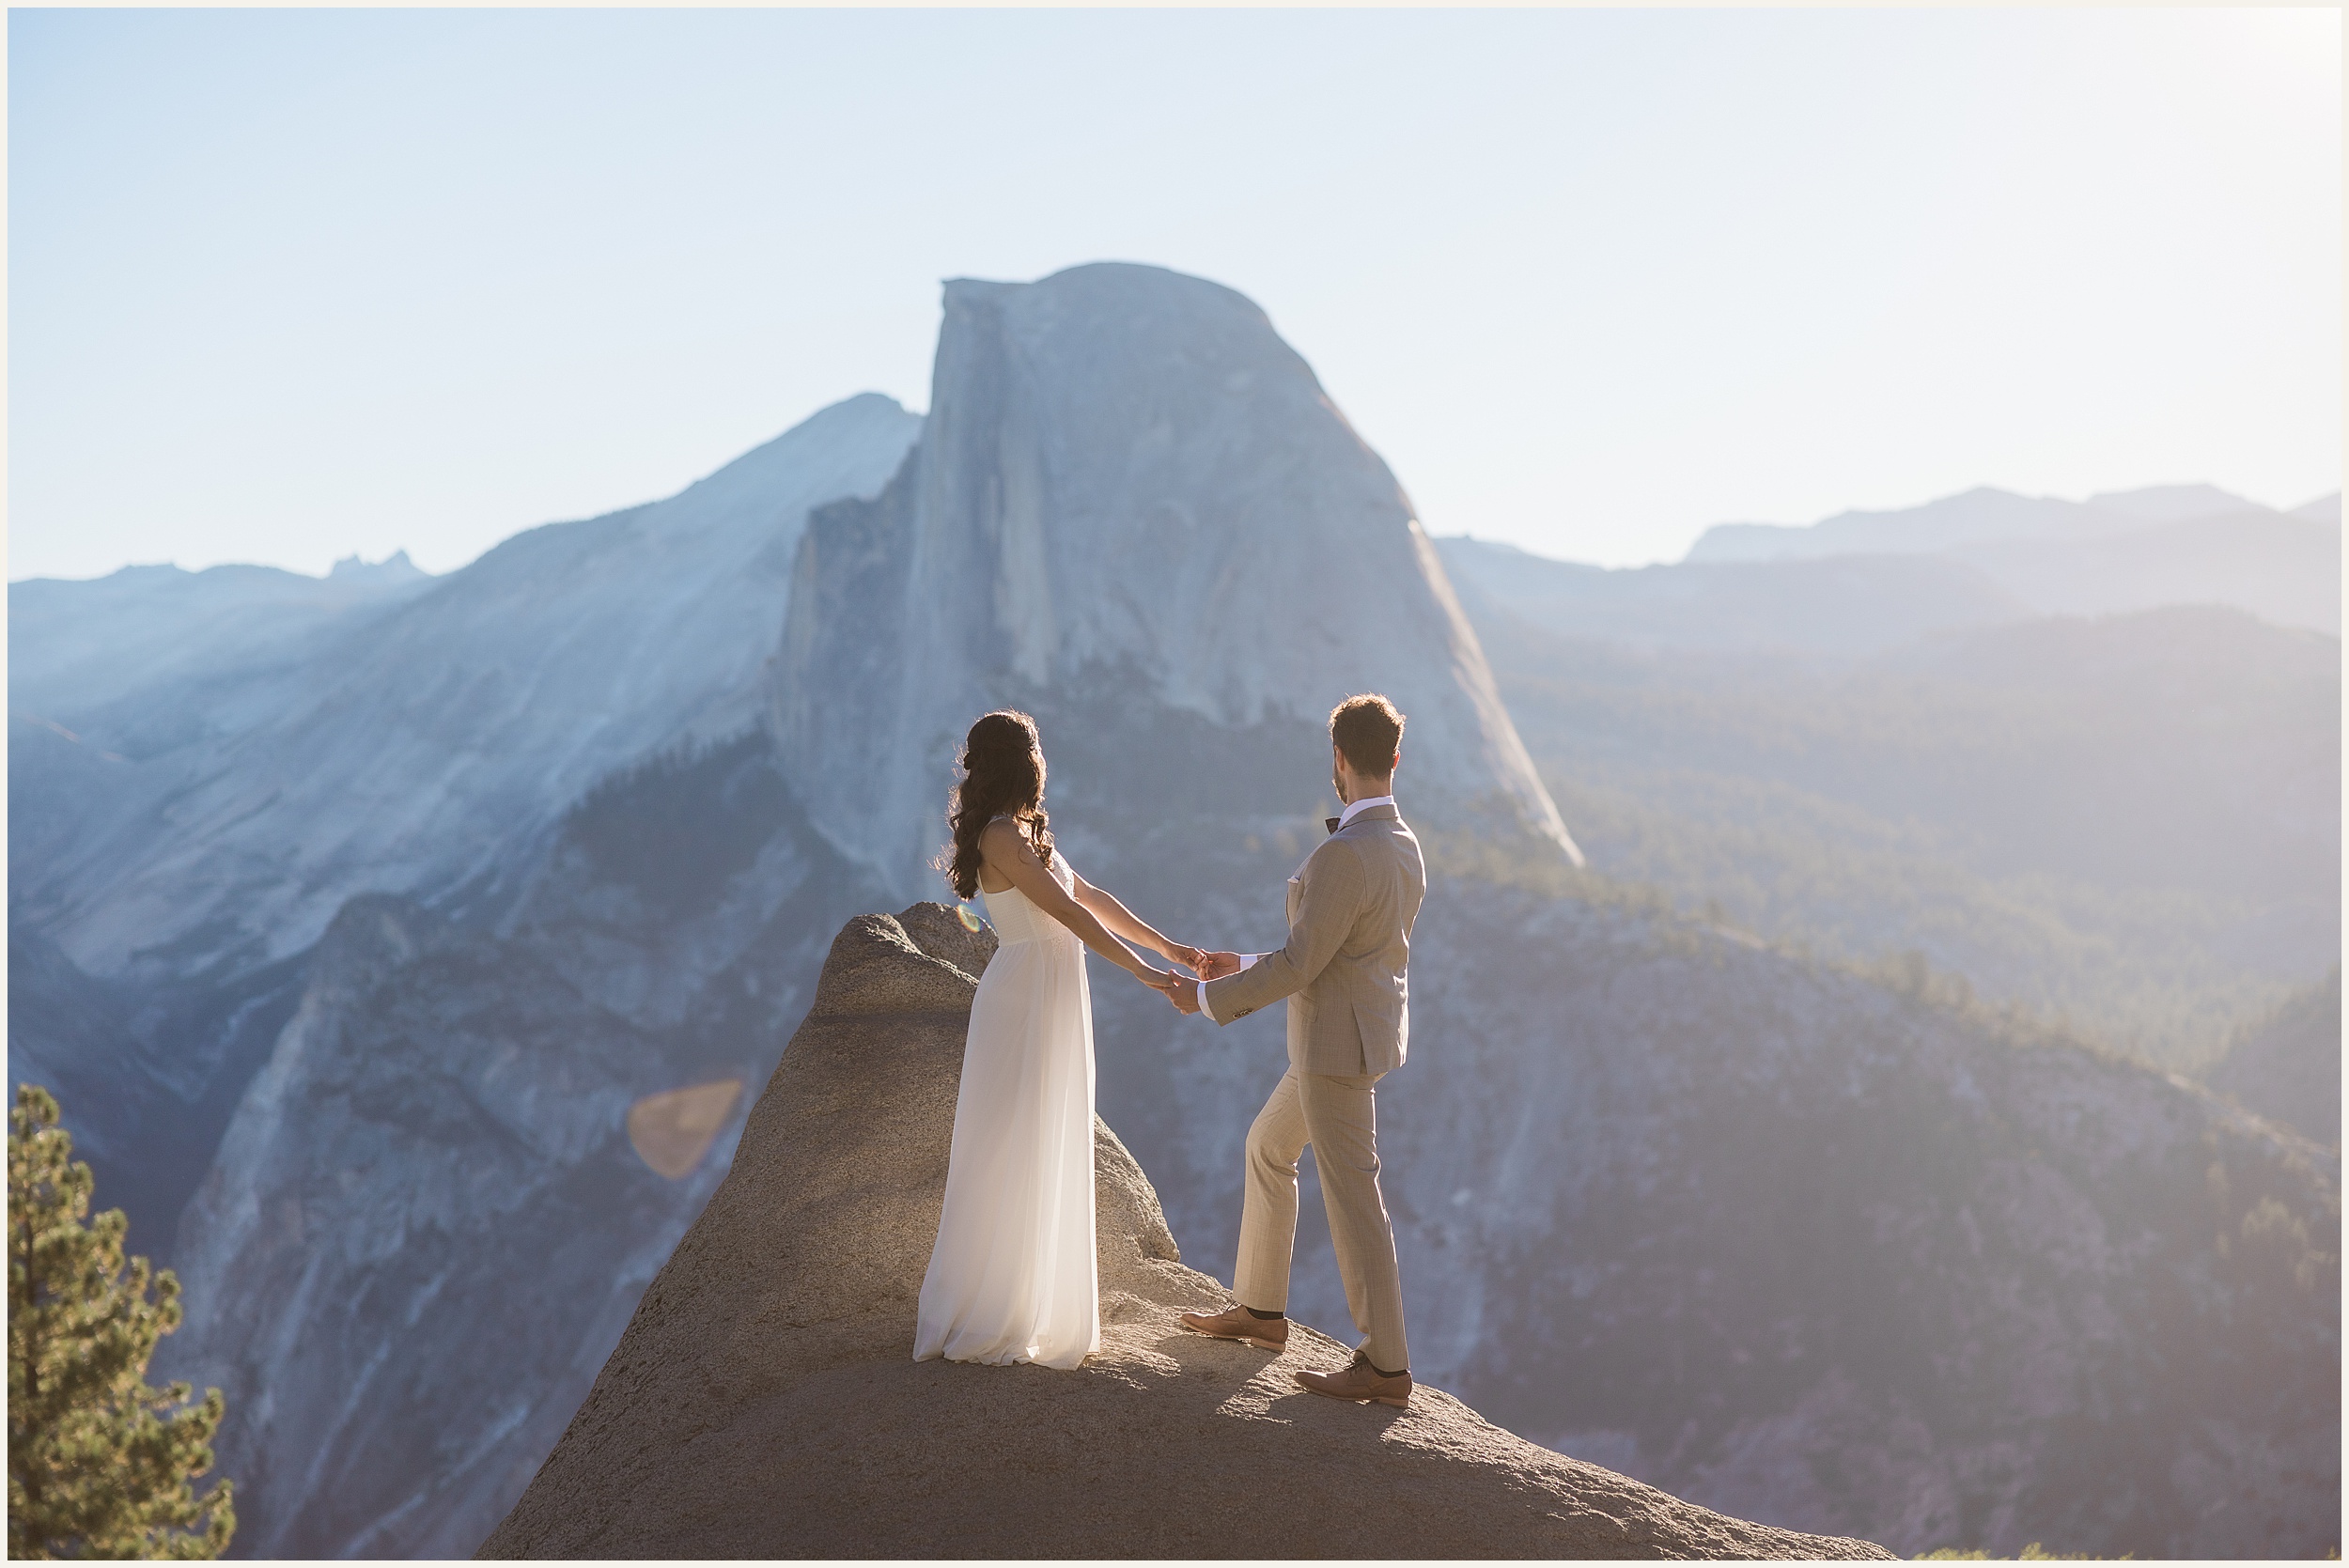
x=1182 y=993
x=1206 y=965
x=1165 y=980
x=1189 y=957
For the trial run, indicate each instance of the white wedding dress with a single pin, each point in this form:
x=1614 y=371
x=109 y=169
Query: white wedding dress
x=1012 y=1277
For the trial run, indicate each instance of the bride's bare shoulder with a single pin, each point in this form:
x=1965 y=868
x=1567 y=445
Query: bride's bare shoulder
x=1001 y=845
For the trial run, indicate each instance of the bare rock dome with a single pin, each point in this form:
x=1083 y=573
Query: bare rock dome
x=1131 y=501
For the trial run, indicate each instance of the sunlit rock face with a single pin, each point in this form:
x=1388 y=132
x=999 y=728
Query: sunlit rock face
x=1133 y=507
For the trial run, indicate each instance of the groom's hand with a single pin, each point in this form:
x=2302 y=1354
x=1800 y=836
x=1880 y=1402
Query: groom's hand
x=1217 y=965
x=1183 y=994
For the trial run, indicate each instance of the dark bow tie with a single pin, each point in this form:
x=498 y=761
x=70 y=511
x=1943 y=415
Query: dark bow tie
x=1330 y=823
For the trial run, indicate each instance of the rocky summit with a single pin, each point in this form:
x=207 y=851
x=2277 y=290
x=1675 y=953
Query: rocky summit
x=763 y=1402
x=1135 y=513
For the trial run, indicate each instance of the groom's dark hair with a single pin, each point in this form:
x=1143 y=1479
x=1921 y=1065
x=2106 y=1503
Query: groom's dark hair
x=1369 y=729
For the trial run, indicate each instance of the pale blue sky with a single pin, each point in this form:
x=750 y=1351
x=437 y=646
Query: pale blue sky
x=290 y=284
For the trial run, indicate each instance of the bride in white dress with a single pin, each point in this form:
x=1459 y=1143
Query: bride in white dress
x=1012 y=1274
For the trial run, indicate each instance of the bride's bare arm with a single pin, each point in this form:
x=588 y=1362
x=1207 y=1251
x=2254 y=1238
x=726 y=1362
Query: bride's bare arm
x=1008 y=851
x=1132 y=927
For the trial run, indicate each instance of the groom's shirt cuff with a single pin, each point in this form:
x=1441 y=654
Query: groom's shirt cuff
x=1247 y=960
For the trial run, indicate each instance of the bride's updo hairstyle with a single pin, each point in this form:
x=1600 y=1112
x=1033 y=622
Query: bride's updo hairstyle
x=1002 y=775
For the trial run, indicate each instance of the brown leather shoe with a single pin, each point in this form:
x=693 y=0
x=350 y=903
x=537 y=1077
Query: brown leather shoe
x=1361 y=1382
x=1264 y=1333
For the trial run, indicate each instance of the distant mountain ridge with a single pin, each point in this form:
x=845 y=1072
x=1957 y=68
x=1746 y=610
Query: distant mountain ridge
x=2116 y=551
x=1971 y=517
x=1837 y=605
x=2131 y=820
x=74 y=645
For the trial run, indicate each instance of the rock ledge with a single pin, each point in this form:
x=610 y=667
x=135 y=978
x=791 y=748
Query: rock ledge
x=763 y=1402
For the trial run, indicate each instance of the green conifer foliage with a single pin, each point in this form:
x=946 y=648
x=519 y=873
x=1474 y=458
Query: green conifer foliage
x=100 y=1465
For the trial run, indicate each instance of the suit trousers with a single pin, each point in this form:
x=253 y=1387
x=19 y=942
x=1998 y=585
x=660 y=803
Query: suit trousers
x=1339 y=1117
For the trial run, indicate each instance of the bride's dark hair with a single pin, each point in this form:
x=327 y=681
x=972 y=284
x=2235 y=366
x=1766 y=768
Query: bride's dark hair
x=1002 y=775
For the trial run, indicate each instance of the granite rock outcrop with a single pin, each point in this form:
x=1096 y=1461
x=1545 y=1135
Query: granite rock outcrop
x=763 y=1402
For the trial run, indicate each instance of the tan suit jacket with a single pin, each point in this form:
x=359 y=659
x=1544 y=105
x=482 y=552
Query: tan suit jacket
x=1344 y=969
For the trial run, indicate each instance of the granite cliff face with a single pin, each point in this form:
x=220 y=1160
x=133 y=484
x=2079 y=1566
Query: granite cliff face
x=1131 y=502
x=436 y=1094
x=440 y=1195
x=776 y=1344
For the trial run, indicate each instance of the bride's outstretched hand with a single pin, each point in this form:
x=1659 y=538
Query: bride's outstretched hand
x=1159 y=980
x=1215 y=966
x=1192 y=958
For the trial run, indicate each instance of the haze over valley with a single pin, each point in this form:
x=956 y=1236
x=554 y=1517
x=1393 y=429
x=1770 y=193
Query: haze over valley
x=2118 y=807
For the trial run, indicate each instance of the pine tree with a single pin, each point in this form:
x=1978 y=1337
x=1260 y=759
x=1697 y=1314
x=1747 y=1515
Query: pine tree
x=100 y=1465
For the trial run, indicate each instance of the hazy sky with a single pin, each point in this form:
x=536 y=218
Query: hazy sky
x=290 y=284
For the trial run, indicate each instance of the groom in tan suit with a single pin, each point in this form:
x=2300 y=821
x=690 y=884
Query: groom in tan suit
x=1350 y=908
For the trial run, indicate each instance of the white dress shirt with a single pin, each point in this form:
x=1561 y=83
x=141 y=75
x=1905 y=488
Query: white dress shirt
x=1247 y=960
